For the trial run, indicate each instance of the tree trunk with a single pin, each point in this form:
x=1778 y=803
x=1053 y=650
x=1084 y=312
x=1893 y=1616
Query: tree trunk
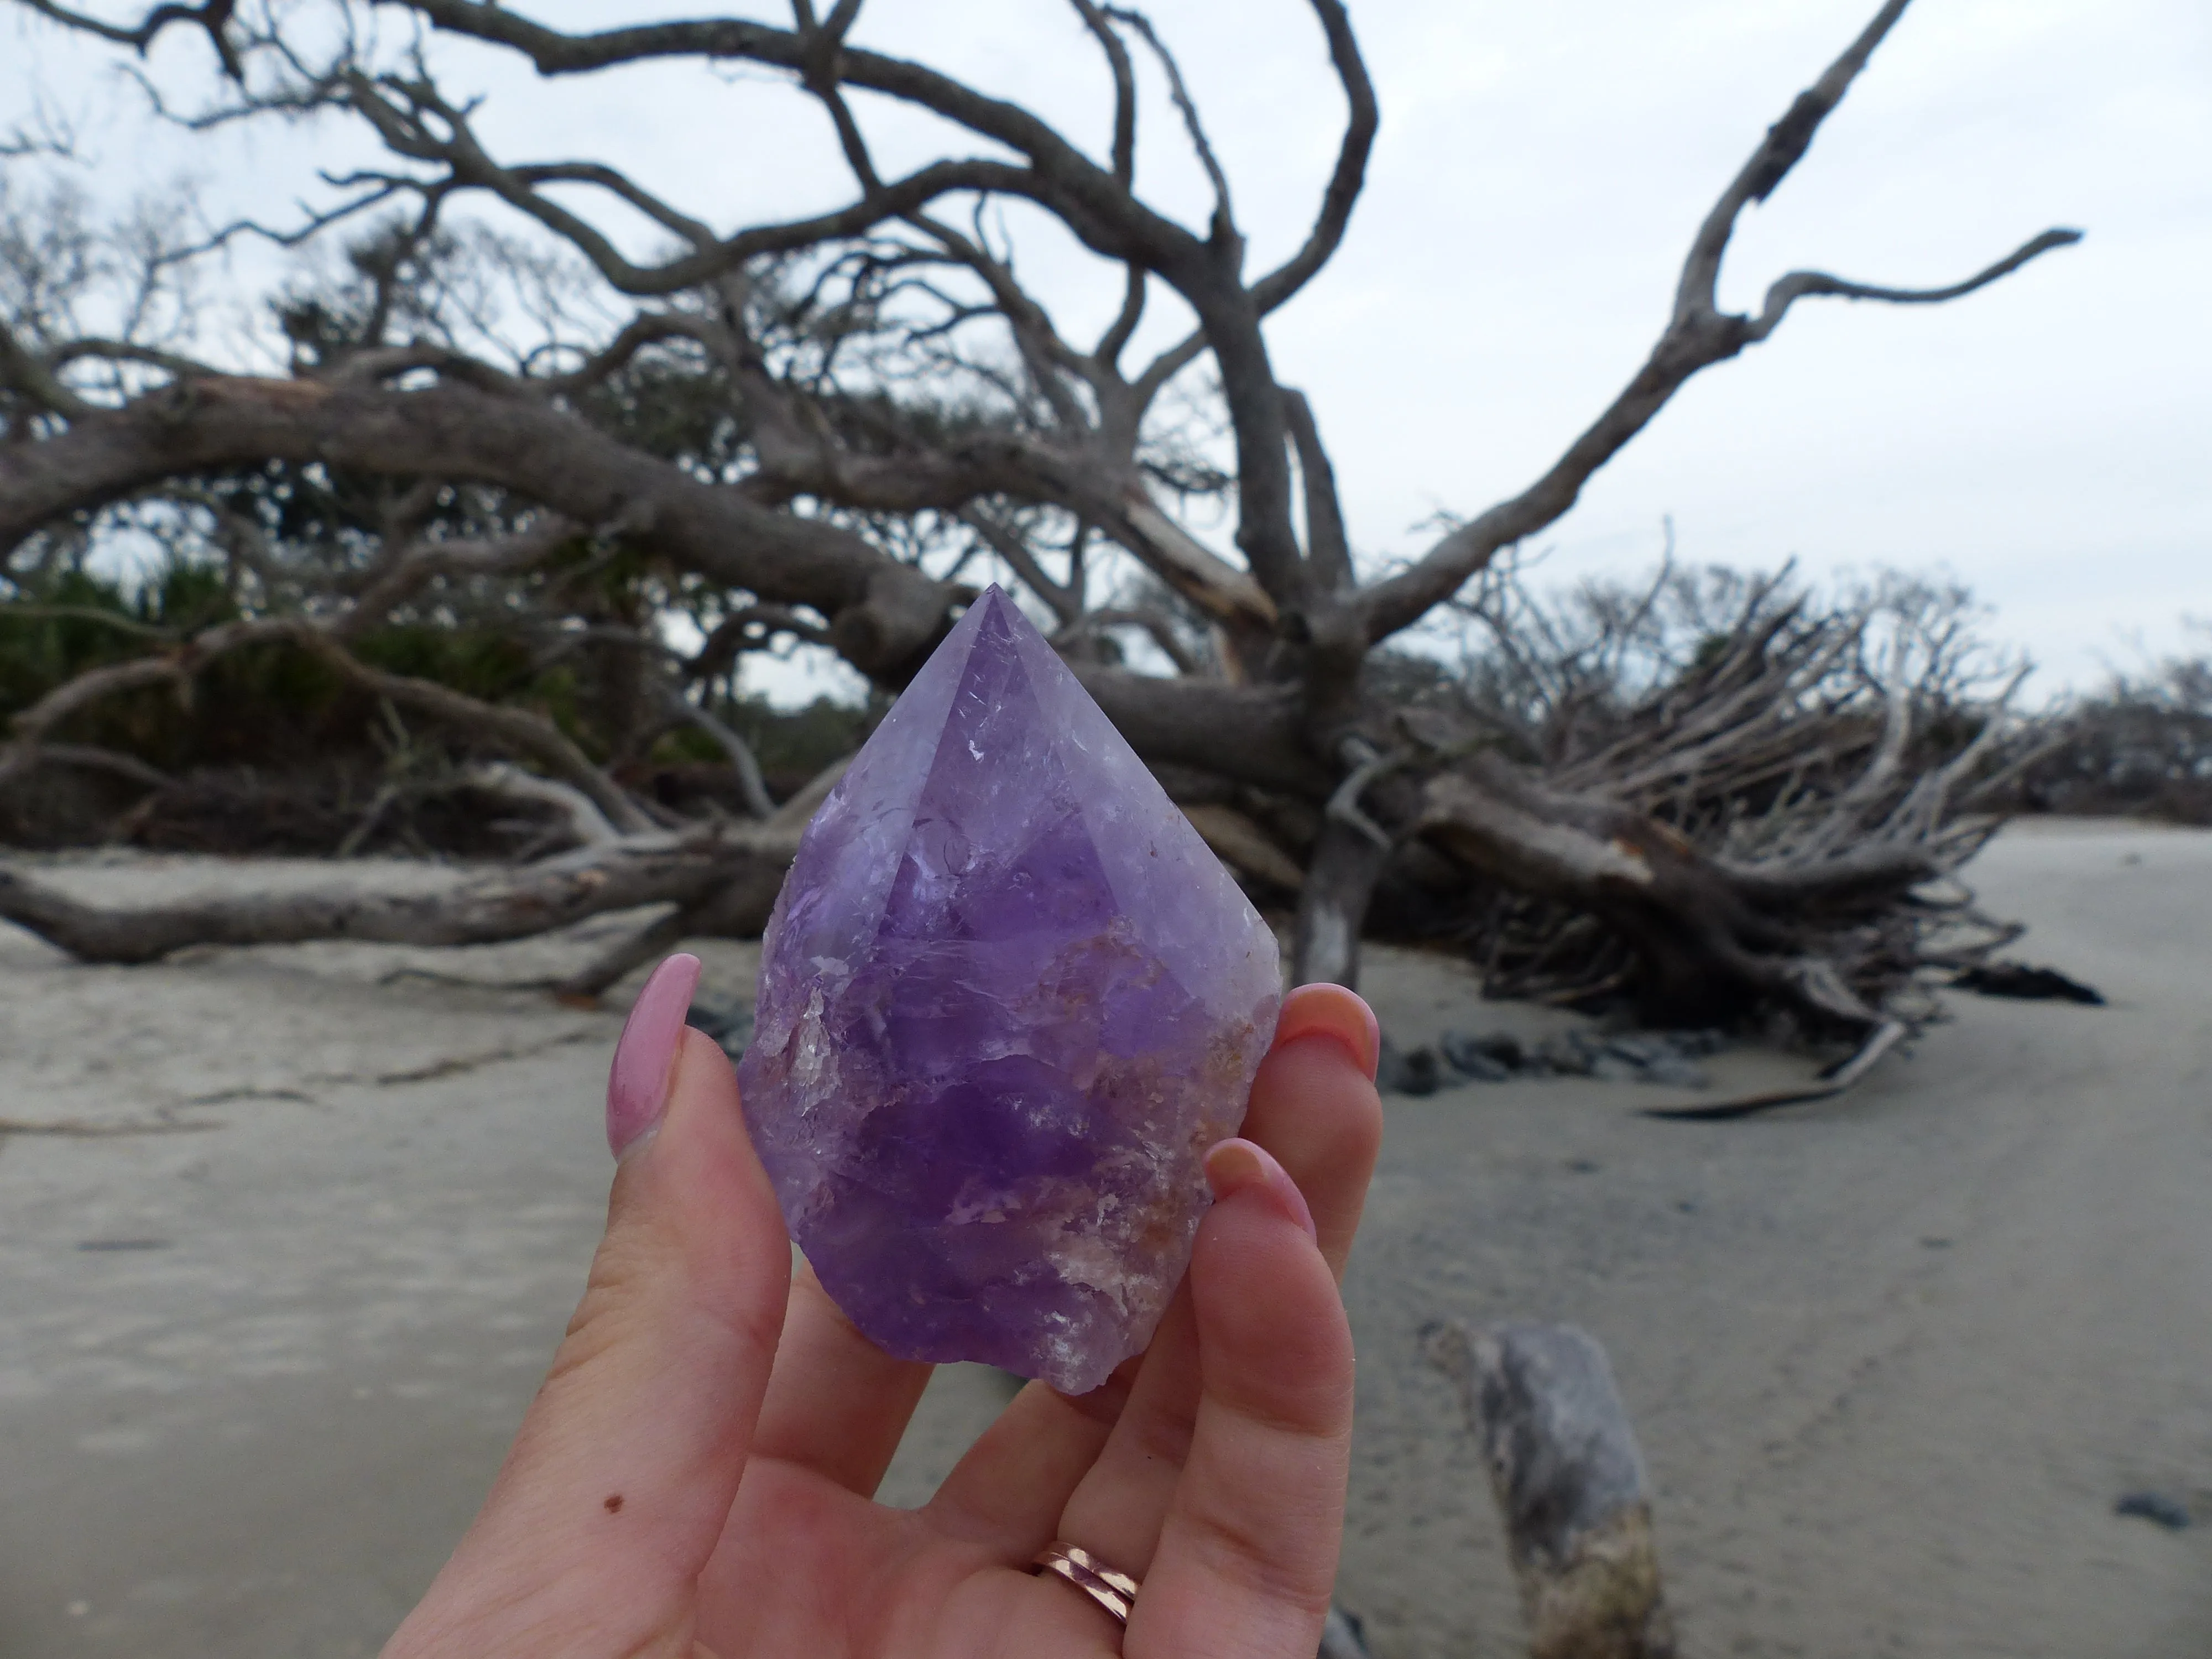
x=504 y=904
x=1339 y=881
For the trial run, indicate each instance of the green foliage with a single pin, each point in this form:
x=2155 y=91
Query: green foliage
x=270 y=705
x=62 y=635
x=802 y=741
x=274 y=708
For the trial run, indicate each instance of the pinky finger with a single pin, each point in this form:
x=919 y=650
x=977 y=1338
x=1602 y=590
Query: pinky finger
x=1247 y=1557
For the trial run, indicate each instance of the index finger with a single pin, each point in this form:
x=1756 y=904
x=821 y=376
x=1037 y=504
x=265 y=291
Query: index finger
x=622 y=1474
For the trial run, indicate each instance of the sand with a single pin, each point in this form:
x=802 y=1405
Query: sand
x=285 y=1238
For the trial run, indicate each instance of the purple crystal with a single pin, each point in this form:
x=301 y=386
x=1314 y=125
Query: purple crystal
x=1007 y=1000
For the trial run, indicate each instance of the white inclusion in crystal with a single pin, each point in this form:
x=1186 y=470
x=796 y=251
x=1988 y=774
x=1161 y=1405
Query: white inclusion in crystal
x=814 y=1068
x=1061 y=1350
x=1095 y=1265
x=973 y=749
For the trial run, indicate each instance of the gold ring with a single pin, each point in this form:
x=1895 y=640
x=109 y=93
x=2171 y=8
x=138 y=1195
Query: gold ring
x=1115 y=1591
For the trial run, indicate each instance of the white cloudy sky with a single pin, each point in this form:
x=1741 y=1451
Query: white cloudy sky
x=1539 y=171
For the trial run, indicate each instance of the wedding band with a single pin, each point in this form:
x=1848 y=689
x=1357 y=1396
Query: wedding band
x=1115 y=1591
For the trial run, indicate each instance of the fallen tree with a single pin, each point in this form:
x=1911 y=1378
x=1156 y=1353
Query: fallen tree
x=821 y=431
x=1725 y=792
x=497 y=905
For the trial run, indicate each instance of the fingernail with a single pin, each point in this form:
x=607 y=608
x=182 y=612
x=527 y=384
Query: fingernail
x=637 y=1082
x=1234 y=1165
x=1323 y=1010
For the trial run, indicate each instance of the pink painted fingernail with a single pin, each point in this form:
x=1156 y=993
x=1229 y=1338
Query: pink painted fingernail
x=1233 y=1165
x=1324 y=1009
x=637 y=1082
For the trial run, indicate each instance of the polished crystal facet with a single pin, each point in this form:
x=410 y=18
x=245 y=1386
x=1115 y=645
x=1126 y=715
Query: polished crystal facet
x=1007 y=1000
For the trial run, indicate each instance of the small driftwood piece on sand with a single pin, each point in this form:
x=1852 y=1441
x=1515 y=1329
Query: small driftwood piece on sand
x=1340 y=1637
x=1836 y=1080
x=1570 y=1483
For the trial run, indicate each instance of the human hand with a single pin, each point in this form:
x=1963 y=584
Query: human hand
x=695 y=1479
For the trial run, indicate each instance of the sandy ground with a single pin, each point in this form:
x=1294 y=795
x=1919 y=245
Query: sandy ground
x=285 y=1238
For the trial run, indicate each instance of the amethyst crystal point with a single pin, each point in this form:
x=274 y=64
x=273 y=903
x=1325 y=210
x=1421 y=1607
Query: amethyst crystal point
x=1007 y=1000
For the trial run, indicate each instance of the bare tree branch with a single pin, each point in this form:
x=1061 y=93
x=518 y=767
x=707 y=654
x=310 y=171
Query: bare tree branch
x=1156 y=622
x=127 y=767
x=1800 y=284
x=1697 y=336
x=883 y=613
x=1785 y=146
x=1064 y=603
x=213 y=16
x=818 y=424
x=742 y=760
x=30 y=376
x=1224 y=218
x=1125 y=90
x=1328 y=546
x=751 y=629
x=586 y=822
x=407 y=127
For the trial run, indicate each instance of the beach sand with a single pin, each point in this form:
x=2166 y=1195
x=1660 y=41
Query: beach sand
x=288 y=1235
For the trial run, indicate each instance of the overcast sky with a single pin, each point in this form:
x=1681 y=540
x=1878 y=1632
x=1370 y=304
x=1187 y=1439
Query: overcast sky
x=1538 y=175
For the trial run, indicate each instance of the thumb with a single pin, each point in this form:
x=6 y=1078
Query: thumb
x=626 y=1465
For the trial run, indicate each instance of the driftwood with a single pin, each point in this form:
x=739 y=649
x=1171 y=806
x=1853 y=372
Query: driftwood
x=721 y=878
x=582 y=814
x=1570 y=1483
x=1340 y=1639
x=737 y=910
x=1837 y=1080
x=2028 y=983
x=496 y=905
x=1755 y=797
x=825 y=431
